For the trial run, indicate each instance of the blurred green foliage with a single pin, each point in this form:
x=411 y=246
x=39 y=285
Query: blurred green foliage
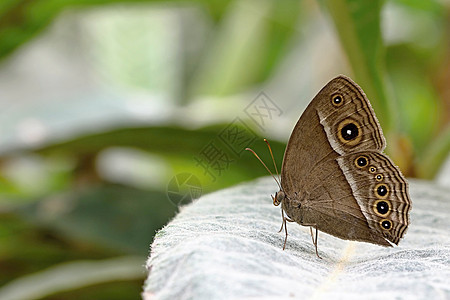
x=71 y=211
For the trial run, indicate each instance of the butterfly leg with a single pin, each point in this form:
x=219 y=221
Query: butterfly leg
x=285 y=230
x=283 y=223
x=314 y=240
x=284 y=219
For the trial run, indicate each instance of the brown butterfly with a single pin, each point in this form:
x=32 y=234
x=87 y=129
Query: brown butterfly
x=335 y=177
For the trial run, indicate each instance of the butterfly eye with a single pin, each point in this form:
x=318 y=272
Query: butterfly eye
x=361 y=161
x=381 y=191
x=386 y=224
x=337 y=100
x=278 y=198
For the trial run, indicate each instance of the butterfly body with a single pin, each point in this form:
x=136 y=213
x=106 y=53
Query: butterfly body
x=335 y=176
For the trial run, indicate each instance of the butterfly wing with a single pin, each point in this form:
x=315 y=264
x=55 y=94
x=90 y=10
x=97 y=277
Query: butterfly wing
x=328 y=202
x=319 y=168
x=328 y=128
x=380 y=190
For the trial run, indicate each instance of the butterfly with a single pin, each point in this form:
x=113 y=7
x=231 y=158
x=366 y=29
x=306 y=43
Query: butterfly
x=335 y=177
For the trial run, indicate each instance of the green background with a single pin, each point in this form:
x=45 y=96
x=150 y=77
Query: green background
x=104 y=102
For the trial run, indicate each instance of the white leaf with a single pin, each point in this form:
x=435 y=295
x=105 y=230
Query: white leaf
x=226 y=245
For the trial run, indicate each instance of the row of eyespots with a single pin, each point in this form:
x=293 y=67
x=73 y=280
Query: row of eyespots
x=349 y=133
x=381 y=206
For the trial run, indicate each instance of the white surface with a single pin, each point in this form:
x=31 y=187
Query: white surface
x=226 y=245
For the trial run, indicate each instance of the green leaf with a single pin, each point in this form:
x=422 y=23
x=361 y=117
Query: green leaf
x=429 y=163
x=358 y=26
x=432 y=5
x=180 y=147
x=104 y=216
x=25 y=248
x=22 y=20
x=247 y=46
x=418 y=101
x=71 y=276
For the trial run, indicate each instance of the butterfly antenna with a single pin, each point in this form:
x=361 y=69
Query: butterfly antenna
x=273 y=159
x=256 y=155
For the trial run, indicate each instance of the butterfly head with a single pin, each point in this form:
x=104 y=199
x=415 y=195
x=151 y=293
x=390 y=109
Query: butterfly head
x=279 y=197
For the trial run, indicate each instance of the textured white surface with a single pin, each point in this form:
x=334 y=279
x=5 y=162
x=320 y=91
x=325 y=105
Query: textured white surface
x=226 y=245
